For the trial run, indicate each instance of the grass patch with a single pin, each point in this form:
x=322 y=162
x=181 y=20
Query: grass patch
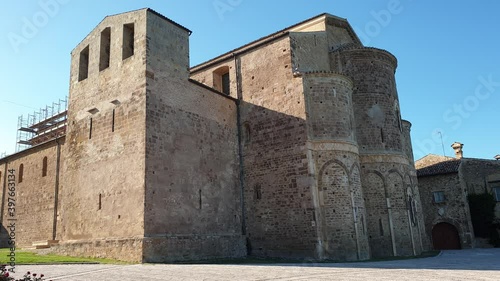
x=27 y=257
x=256 y=260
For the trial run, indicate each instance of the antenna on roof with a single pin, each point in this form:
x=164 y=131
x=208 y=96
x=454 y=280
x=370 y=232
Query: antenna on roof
x=442 y=143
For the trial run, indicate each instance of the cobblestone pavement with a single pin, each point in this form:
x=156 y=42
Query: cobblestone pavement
x=476 y=264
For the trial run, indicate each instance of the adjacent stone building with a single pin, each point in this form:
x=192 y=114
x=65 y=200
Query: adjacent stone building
x=444 y=185
x=290 y=146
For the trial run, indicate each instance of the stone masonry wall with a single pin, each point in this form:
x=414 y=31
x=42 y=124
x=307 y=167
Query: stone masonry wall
x=103 y=183
x=341 y=212
x=385 y=165
x=193 y=193
x=406 y=140
x=454 y=210
x=394 y=226
x=474 y=174
x=278 y=194
x=278 y=197
x=35 y=195
x=375 y=98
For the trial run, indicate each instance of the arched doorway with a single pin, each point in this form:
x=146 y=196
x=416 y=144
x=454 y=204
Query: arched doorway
x=445 y=237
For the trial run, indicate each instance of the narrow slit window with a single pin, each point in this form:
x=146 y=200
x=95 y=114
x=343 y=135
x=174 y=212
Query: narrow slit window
x=128 y=41
x=83 y=71
x=382 y=134
x=105 y=52
x=113 y=121
x=200 y=202
x=90 y=129
x=100 y=202
x=225 y=83
x=258 y=192
x=21 y=172
x=44 y=166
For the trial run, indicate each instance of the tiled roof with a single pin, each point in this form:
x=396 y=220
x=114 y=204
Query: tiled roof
x=441 y=168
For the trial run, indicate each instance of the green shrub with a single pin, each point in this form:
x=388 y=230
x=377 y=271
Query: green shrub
x=482 y=212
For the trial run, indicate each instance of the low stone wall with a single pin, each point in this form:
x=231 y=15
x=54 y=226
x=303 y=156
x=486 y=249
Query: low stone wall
x=127 y=249
x=193 y=247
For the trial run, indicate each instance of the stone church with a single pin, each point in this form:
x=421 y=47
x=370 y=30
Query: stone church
x=290 y=146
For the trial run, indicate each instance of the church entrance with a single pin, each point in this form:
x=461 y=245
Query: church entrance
x=445 y=237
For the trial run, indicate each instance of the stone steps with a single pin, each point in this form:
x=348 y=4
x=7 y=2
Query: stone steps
x=44 y=244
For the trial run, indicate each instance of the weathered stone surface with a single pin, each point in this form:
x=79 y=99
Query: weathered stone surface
x=456 y=179
x=290 y=146
x=34 y=196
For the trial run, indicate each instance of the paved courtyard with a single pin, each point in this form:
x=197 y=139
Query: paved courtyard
x=477 y=264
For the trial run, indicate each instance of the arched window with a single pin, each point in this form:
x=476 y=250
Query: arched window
x=44 y=166
x=21 y=170
x=222 y=80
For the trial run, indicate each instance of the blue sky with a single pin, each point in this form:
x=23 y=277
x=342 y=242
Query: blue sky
x=448 y=51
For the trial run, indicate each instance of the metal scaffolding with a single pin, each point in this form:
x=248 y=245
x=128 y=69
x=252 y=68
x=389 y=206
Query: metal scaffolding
x=43 y=125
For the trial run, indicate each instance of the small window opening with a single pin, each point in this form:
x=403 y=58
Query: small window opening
x=128 y=41
x=225 y=83
x=497 y=193
x=90 y=129
x=100 y=202
x=258 y=192
x=83 y=71
x=113 y=122
x=200 y=202
x=438 y=196
x=413 y=211
x=44 y=166
x=363 y=224
x=382 y=134
x=21 y=172
x=222 y=80
x=105 y=49
x=381 y=227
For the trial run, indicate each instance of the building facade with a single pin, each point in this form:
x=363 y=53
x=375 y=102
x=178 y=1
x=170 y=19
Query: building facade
x=290 y=146
x=445 y=184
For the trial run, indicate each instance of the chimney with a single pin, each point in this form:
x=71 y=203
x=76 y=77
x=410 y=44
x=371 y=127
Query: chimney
x=458 y=147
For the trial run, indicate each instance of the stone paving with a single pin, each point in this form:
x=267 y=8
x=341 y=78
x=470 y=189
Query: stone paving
x=476 y=264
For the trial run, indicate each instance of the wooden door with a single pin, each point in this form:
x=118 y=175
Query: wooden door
x=445 y=237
